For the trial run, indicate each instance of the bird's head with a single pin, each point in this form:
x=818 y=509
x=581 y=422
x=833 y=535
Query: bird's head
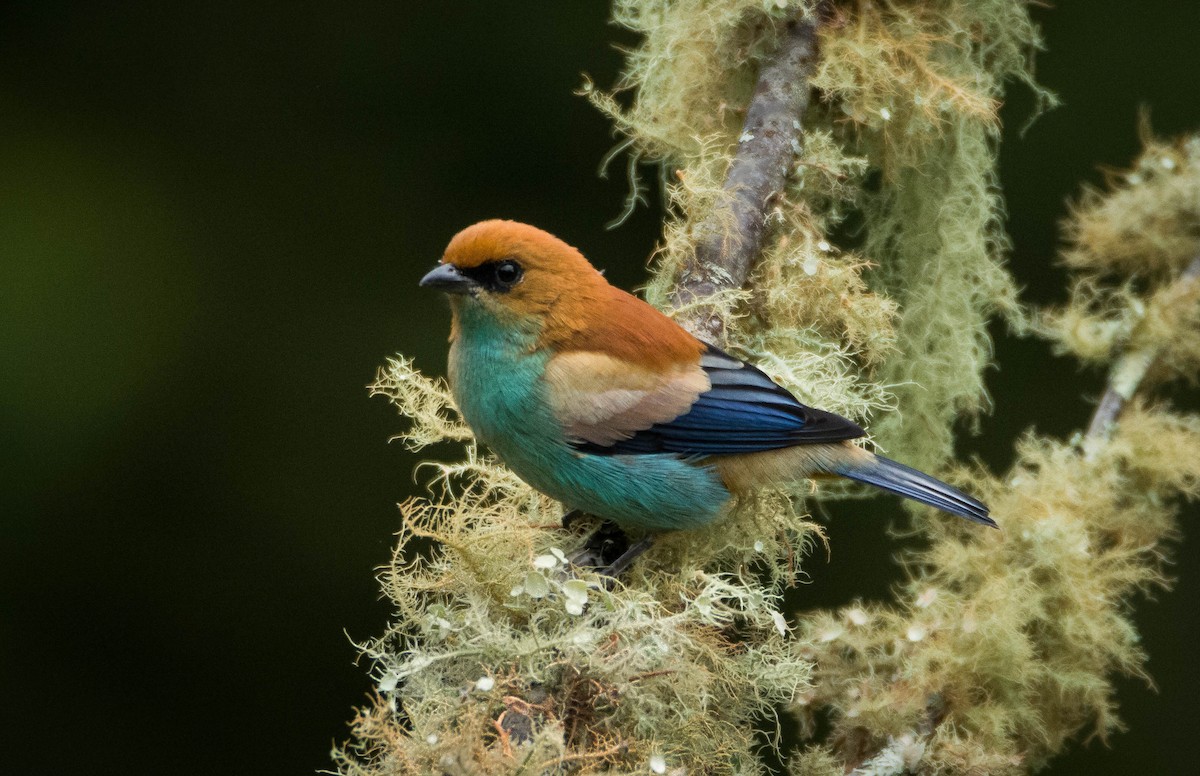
x=514 y=272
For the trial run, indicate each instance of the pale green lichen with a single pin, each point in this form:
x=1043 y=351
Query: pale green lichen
x=1016 y=636
x=1147 y=223
x=1018 y=633
x=909 y=95
x=1000 y=646
x=490 y=627
x=1128 y=246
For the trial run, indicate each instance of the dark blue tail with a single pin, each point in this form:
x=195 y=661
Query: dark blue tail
x=904 y=481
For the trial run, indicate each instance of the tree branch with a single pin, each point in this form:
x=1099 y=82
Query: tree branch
x=730 y=240
x=1124 y=378
x=902 y=755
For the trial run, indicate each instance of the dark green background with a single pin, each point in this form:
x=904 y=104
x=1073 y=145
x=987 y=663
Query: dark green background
x=212 y=220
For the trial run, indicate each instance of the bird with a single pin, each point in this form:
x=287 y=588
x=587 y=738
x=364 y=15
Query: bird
x=602 y=402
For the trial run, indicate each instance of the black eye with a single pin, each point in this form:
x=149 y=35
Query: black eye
x=507 y=273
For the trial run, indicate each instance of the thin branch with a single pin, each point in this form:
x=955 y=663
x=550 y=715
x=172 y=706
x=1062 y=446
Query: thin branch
x=1124 y=378
x=731 y=237
x=902 y=755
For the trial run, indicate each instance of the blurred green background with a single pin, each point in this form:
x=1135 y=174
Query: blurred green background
x=212 y=220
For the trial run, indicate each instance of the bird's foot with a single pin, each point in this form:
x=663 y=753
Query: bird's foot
x=618 y=566
x=607 y=550
x=601 y=548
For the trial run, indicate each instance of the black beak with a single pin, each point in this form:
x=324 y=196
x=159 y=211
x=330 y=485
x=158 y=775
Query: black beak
x=446 y=277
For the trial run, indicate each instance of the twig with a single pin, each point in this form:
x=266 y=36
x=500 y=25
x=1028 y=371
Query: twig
x=1124 y=378
x=731 y=237
x=901 y=755
x=611 y=751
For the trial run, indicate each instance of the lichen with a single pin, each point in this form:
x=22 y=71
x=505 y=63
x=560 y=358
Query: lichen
x=999 y=646
x=1126 y=245
x=1016 y=636
x=903 y=141
x=1018 y=633
x=499 y=659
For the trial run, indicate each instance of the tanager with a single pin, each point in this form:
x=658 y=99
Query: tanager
x=602 y=402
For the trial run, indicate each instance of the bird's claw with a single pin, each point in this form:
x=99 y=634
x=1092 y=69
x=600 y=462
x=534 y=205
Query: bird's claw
x=607 y=550
x=626 y=559
x=603 y=546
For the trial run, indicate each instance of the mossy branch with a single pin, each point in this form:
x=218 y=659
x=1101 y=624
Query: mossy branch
x=1129 y=370
x=999 y=647
x=731 y=237
x=1021 y=633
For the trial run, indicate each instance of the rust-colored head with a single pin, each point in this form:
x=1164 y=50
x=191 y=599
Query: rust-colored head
x=497 y=239
x=523 y=275
x=514 y=266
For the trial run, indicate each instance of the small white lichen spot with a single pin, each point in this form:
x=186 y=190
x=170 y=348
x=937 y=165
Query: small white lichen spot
x=824 y=246
x=658 y=764
x=1167 y=163
x=517 y=590
x=545 y=562
x=746 y=137
x=485 y=684
x=1133 y=179
x=536 y=585
x=576 y=593
x=926 y=598
x=780 y=623
x=758 y=546
x=829 y=634
x=885 y=114
x=810 y=266
x=558 y=554
x=857 y=616
x=911 y=751
x=389 y=682
x=431 y=739
x=915 y=633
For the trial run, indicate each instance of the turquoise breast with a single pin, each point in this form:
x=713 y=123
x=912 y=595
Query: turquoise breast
x=496 y=377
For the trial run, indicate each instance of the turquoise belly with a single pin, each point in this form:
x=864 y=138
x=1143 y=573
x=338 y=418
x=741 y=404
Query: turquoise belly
x=497 y=384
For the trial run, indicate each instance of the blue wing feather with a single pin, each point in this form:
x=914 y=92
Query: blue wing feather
x=744 y=411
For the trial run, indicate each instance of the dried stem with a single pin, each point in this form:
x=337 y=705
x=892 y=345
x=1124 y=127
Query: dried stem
x=731 y=237
x=1124 y=378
